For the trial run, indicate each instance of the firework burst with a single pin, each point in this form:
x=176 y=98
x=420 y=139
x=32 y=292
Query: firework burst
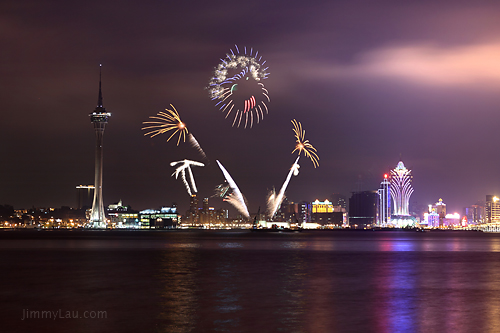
x=304 y=145
x=165 y=122
x=237 y=87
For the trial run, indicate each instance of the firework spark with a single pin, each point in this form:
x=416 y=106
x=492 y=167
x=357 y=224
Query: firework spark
x=235 y=71
x=304 y=145
x=220 y=190
x=235 y=198
x=186 y=165
x=165 y=122
x=274 y=201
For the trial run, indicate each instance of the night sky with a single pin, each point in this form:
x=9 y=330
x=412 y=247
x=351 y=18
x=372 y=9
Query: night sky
x=369 y=81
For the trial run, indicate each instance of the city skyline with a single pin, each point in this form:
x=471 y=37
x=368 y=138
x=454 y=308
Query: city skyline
x=368 y=83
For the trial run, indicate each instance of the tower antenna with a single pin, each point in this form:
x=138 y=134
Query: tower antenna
x=99 y=99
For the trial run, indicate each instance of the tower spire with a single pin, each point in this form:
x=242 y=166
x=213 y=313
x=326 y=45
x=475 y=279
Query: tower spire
x=99 y=99
x=99 y=119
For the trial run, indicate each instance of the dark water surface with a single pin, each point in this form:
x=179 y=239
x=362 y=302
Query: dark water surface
x=239 y=281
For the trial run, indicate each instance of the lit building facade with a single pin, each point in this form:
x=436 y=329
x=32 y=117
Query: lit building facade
x=476 y=214
x=384 y=202
x=122 y=217
x=326 y=214
x=492 y=209
x=99 y=119
x=401 y=189
x=431 y=220
x=452 y=220
x=165 y=218
x=440 y=209
x=304 y=214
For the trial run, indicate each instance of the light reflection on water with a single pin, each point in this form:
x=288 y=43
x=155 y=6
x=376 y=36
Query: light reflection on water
x=245 y=282
x=179 y=294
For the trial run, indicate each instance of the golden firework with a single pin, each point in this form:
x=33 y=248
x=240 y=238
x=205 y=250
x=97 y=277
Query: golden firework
x=304 y=145
x=166 y=122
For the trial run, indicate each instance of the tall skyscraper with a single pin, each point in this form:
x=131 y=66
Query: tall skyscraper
x=384 y=202
x=193 y=214
x=363 y=209
x=99 y=118
x=401 y=189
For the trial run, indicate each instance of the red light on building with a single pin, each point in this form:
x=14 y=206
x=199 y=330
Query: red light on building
x=385 y=175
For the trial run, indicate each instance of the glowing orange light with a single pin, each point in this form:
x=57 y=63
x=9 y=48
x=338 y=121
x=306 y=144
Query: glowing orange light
x=165 y=122
x=385 y=176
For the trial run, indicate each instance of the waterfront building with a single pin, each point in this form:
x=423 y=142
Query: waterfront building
x=452 y=220
x=384 y=202
x=325 y=213
x=476 y=214
x=363 y=209
x=99 y=119
x=165 y=218
x=431 y=220
x=121 y=216
x=492 y=209
x=440 y=209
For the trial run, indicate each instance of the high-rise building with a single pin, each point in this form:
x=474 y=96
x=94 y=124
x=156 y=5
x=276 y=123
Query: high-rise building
x=384 y=202
x=99 y=118
x=440 y=209
x=304 y=213
x=339 y=200
x=193 y=214
x=476 y=214
x=363 y=209
x=401 y=189
x=492 y=209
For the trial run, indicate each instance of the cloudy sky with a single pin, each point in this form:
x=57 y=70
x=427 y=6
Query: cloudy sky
x=369 y=81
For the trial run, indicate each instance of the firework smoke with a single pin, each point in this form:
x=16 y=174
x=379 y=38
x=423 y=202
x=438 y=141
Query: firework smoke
x=273 y=201
x=235 y=198
x=196 y=145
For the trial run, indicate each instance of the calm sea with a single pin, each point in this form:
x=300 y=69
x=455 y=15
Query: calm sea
x=241 y=281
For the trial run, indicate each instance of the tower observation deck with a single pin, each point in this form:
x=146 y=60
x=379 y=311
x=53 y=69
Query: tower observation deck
x=99 y=118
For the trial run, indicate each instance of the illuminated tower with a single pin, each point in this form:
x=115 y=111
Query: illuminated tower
x=384 y=202
x=401 y=189
x=99 y=118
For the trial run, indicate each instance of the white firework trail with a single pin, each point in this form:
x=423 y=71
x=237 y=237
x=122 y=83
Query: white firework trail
x=186 y=164
x=239 y=205
x=196 y=145
x=273 y=201
x=235 y=198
